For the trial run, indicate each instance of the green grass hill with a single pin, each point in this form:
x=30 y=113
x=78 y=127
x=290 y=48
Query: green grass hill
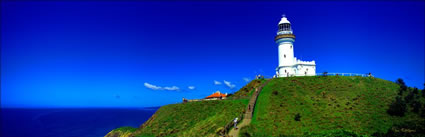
x=294 y=106
x=203 y=118
x=323 y=103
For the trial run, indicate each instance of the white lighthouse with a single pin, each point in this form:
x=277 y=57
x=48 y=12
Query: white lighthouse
x=289 y=65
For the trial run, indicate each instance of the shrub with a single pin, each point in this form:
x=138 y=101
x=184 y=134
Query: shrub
x=247 y=131
x=400 y=82
x=402 y=85
x=416 y=105
x=397 y=108
x=423 y=91
x=275 y=92
x=409 y=98
x=297 y=117
x=415 y=90
x=423 y=111
x=220 y=131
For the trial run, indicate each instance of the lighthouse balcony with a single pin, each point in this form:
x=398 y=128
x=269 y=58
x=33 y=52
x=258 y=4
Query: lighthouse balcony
x=284 y=32
x=281 y=36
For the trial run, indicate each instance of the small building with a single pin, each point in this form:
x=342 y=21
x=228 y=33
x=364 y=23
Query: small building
x=216 y=95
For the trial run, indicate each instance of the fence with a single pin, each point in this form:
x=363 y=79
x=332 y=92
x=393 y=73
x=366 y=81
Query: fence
x=344 y=74
x=229 y=125
x=329 y=74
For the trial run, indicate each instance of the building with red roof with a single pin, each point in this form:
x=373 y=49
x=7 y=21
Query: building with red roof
x=217 y=95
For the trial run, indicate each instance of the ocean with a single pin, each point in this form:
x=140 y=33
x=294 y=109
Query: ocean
x=70 y=122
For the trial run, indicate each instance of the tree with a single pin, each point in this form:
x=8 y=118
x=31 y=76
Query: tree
x=397 y=108
x=423 y=91
x=423 y=111
x=400 y=82
x=416 y=105
x=410 y=97
x=415 y=90
x=402 y=85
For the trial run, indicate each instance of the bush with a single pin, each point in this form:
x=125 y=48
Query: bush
x=402 y=85
x=415 y=91
x=416 y=105
x=397 y=108
x=220 y=131
x=410 y=97
x=297 y=117
x=423 y=111
x=250 y=131
x=400 y=82
x=423 y=91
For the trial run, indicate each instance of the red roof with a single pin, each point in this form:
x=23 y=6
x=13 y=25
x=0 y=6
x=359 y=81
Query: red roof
x=216 y=95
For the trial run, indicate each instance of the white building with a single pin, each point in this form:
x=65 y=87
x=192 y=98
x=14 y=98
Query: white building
x=288 y=64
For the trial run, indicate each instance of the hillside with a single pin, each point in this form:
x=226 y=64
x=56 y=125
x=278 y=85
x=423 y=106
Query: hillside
x=204 y=118
x=324 y=104
x=294 y=106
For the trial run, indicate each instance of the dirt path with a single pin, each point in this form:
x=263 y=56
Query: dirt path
x=248 y=113
x=235 y=132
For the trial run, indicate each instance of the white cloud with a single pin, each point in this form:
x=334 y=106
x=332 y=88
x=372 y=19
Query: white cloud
x=246 y=79
x=191 y=87
x=217 y=82
x=154 y=87
x=171 y=88
x=229 y=84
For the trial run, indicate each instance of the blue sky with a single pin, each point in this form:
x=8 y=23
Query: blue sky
x=138 y=54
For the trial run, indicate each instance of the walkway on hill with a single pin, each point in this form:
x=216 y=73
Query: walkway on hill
x=249 y=111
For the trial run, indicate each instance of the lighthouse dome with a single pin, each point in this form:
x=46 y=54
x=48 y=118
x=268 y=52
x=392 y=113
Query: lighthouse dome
x=283 y=20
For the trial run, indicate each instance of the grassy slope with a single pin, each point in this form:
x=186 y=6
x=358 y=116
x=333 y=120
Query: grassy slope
x=358 y=104
x=202 y=118
x=198 y=118
x=121 y=132
x=248 y=89
x=193 y=118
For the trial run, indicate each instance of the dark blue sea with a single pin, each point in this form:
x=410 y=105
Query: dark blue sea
x=69 y=122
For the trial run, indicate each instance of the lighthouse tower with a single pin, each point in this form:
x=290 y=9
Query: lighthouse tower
x=289 y=65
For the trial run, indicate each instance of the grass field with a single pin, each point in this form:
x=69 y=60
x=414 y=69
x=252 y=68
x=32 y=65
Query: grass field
x=202 y=118
x=355 y=104
x=293 y=106
x=248 y=89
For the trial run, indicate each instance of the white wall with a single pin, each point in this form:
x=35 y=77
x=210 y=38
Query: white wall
x=297 y=70
x=290 y=71
x=305 y=70
x=286 y=54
